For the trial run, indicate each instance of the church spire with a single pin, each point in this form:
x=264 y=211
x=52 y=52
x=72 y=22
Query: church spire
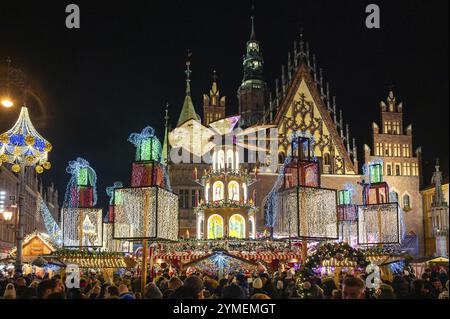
x=252 y=33
x=165 y=149
x=188 y=110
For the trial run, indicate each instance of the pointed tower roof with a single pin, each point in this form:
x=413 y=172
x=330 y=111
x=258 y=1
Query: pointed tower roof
x=188 y=110
x=252 y=33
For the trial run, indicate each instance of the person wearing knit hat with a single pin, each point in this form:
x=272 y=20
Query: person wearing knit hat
x=152 y=292
x=257 y=287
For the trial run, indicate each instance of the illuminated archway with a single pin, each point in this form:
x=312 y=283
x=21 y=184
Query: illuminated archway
x=230 y=155
x=215 y=227
x=233 y=191
x=221 y=160
x=237 y=226
x=218 y=191
x=252 y=230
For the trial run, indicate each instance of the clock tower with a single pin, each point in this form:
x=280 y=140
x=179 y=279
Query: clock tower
x=253 y=92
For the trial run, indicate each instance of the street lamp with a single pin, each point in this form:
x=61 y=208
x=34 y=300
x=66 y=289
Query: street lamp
x=7 y=102
x=22 y=146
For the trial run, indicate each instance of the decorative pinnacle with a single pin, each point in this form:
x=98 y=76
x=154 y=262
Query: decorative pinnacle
x=252 y=34
x=188 y=73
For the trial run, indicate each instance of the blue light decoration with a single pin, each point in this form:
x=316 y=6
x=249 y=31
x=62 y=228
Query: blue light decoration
x=82 y=174
x=52 y=227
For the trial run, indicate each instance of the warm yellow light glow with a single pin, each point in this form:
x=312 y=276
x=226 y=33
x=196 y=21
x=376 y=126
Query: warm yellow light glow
x=7 y=216
x=7 y=102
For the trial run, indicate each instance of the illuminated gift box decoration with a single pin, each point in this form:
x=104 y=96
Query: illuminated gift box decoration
x=146 y=213
x=347 y=217
x=82 y=224
x=148 y=210
x=379 y=224
x=114 y=245
x=302 y=211
x=380 y=221
x=82 y=227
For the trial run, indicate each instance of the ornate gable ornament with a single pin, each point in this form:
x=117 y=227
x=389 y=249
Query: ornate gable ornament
x=306 y=119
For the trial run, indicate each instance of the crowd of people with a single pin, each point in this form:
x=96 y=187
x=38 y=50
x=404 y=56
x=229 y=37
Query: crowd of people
x=433 y=284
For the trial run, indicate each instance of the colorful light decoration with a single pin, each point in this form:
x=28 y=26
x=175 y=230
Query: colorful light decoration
x=148 y=147
x=295 y=210
x=82 y=224
x=22 y=145
x=50 y=224
x=146 y=211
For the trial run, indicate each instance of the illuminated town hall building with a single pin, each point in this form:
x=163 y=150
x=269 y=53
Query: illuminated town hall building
x=300 y=103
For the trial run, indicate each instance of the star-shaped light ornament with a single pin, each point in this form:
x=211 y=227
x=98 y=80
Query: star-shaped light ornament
x=199 y=139
x=22 y=145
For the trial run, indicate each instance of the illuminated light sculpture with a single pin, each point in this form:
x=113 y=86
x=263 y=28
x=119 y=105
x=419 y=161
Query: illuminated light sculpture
x=380 y=221
x=109 y=243
x=296 y=211
x=347 y=216
x=148 y=212
x=52 y=227
x=23 y=146
x=227 y=212
x=82 y=223
x=198 y=139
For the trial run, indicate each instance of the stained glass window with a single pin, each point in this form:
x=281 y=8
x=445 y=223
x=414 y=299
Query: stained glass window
x=215 y=227
x=237 y=226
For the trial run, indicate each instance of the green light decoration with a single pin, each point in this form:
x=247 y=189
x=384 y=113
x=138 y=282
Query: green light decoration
x=83 y=176
x=375 y=173
x=148 y=146
x=344 y=197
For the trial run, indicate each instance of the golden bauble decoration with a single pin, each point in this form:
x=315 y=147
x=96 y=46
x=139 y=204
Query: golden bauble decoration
x=4 y=138
x=29 y=140
x=39 y=169
x=4 y=157
x=48 y=147
x=47 y=165
x=15 y=168
x=17 y=151
x=30 y=159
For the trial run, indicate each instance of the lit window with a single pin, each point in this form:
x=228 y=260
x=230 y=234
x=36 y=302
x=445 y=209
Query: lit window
x=406 y=201
x=218 y=191
x=233 y=191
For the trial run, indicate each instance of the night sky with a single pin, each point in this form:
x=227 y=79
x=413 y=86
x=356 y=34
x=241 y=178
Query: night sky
x=113 y=76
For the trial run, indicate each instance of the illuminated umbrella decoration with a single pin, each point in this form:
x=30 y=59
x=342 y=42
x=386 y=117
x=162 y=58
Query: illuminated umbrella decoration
x=23 y=145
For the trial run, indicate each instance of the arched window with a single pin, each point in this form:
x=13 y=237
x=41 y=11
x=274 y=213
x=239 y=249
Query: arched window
x=218 y=191
x=244 y=191
x=237 y=226
x=207 y=188
x=252 y=230
x=326 y=159
x=388 y=169
x=406 y=201
x=215 y=227
x=233 y=191
x=230 y=159
x=221 y=160
x=397 y=170
x=394 y=196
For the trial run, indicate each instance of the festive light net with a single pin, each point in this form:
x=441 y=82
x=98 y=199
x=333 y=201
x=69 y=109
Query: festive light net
x=145 y=213
x=52 y=227
x=82 y=227
x=114 y=245
x=23 y=145
x=305 y=212
x=380 y=224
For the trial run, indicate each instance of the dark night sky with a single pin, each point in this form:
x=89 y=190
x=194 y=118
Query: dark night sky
x=114 y=75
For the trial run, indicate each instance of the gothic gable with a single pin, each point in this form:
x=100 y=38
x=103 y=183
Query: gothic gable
x=303 y=109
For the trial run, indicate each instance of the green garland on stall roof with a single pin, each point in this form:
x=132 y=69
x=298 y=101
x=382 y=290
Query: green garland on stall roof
x=321 y=253
x=77 y=253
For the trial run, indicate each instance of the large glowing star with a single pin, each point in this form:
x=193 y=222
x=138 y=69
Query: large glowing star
x=199 y=139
